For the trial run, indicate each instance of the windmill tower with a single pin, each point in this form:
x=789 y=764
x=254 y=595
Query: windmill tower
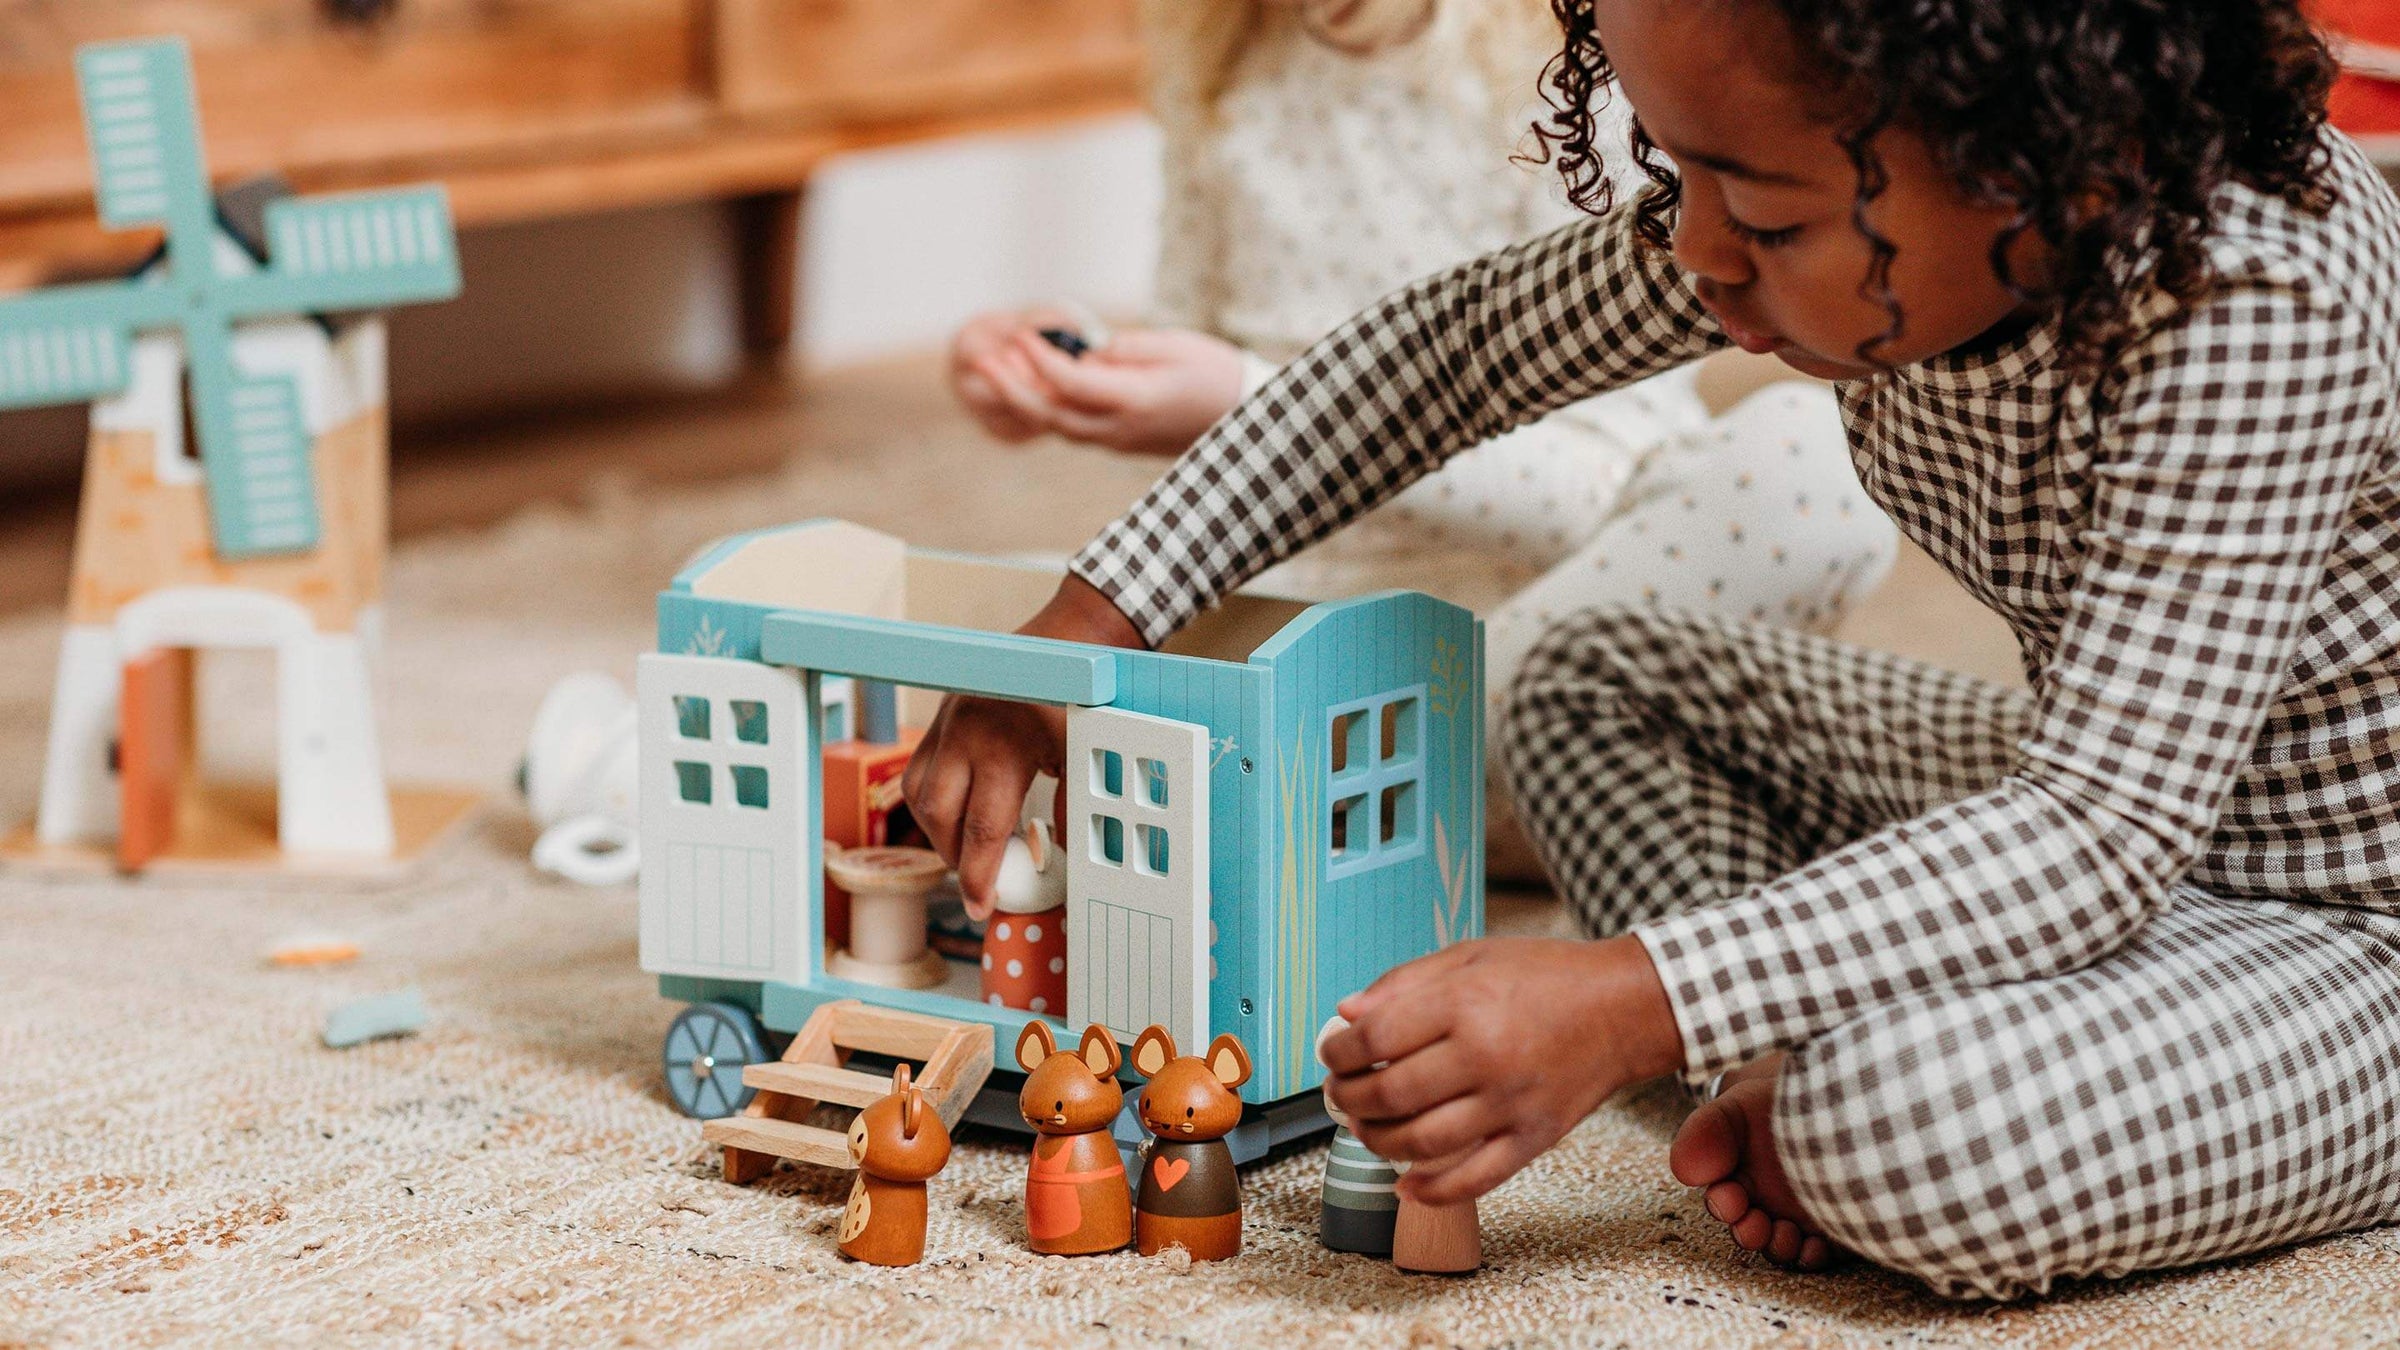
x=234 y=487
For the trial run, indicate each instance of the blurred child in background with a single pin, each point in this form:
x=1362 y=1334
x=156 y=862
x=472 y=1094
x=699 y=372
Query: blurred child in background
x=1320 y=156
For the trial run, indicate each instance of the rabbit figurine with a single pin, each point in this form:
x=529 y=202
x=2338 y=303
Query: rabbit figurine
x=1190 y=1196
x=1076 y=1199
x=1360 y=1199
x=1024 y=928
x=897 y=1143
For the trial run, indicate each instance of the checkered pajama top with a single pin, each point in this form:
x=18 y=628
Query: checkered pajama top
x=2198 y=550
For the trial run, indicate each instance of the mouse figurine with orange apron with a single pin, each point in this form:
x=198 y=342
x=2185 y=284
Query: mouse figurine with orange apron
x=1077 y=1202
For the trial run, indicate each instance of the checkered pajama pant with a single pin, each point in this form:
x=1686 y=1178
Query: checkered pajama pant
x=2226 y=1081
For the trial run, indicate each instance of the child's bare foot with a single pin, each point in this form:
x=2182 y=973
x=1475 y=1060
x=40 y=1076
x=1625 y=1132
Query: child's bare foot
x=1725 y=1146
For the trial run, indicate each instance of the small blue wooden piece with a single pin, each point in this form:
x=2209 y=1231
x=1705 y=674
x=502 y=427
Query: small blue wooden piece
x=878 y=712
x=932 y=656
x=368 y=1019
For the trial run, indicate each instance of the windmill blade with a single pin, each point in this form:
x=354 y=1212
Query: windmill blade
x=357 y=251
x=255 y=451
x=59 y=360
x=144 y=128
x=262 y=497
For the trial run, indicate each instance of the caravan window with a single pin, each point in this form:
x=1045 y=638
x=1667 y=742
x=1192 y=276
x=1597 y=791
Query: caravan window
x=1375 y=771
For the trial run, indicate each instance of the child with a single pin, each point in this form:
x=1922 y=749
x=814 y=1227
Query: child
x=2012 y=987
x=1320 y=156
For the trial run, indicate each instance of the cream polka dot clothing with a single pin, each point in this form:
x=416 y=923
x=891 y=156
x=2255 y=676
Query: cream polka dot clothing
x=1320 y=182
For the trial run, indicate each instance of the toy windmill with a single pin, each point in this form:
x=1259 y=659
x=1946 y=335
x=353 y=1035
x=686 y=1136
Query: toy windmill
x=273 y=534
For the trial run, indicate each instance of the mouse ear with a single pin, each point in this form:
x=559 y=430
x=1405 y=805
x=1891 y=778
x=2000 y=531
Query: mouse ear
x=1152 y=1050
x=1037 y=842
x=1099 y=1051
x=1229 y=1061
x=910 y=1099
x=1035 y=1044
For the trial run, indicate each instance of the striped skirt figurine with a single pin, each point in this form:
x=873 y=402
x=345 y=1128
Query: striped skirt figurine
x=1360 y=1204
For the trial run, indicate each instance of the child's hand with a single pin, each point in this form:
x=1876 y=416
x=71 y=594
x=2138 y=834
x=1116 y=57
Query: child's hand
x=994 y=381
x=1148 y=392
x=1473 y=1060
x=966 y=783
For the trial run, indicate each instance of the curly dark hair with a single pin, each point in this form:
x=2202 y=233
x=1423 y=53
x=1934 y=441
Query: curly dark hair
x=2105 y=126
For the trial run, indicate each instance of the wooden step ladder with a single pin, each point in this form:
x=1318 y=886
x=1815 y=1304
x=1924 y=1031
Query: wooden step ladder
x=957 y=1058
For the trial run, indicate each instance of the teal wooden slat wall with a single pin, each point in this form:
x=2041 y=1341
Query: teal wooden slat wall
x=1344 y=927
x=691 y=625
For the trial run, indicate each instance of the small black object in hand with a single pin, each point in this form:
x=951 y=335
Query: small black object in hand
x=1066 y=340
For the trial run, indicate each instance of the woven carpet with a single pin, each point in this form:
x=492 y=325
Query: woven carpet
x=182 y=1163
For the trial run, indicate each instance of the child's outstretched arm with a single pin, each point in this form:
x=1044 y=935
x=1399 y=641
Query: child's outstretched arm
x=1433 y=370
x=1437 y=368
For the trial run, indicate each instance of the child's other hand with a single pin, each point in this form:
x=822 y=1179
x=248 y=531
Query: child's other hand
x=967 y=781
x=1148 y=392
x=994 y=381
x=1470 y=1062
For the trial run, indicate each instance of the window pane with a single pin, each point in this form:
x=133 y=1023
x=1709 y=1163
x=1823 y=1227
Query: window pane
x=749 y=721
x=1347 y=833
x=1154 y=858
x=1348 y=743
x=691 y=718
x=1154 y=781
x=1399 y=732
x=750 y=785
x=691 y=782
x=1399 y=812
x=837 y=722
x=1108 y=840
x=1108 y=773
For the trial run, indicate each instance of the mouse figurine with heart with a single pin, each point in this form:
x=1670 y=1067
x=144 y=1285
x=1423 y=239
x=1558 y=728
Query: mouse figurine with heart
x=1189 y=1195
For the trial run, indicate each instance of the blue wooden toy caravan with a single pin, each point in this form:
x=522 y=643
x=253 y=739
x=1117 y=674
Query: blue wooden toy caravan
x=1263 y=817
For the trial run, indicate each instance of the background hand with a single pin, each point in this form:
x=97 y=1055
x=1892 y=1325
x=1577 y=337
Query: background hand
x=992 y=379
x=1149 y=391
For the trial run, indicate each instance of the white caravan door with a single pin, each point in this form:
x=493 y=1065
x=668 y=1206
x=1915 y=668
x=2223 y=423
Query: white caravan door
x=1136 y=839
x=725 y=755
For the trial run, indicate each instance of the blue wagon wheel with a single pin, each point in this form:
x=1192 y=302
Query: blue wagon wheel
x=707 y=1047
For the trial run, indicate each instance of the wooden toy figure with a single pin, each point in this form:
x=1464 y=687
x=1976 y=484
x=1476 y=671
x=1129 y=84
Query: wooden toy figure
x=1077 y=1202
x=897 y=1144
x=1436 y=1239
x=1189 y=1196
x=1360 y=1200
x=1024 y=927
x=1364 y=1212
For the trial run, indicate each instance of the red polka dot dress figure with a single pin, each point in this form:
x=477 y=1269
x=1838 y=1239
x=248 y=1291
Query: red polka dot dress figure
x=1025 y=932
